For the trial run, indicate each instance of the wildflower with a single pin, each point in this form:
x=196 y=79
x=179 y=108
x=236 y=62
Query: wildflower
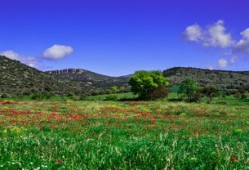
x=59 y=161
x=153 y=120
x=53 y=126
x=233 y=159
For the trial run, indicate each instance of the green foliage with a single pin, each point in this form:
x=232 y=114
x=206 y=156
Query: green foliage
x=240 y=95
x=114 y=89
x=145 y=83
x=104 y=97
x=19 y=79
x=210 y=92
x=123 y=135
x=175 y=89
x=41 y=96
x=190 y=89
x=222 y=80
x=111 y=97
x=4 y=96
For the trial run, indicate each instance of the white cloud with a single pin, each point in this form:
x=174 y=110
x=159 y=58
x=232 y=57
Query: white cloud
x=30 y=61
x=193 y=33
x=210 y=68
x=242 y=45
x=214 y=35
x=218 y=37
x=11 y=55
x=57 y=52
x=222 y=63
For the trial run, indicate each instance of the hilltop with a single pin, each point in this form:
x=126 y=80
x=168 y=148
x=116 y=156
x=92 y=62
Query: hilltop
x=223 y=80
x=17 y=79
x=91 y=78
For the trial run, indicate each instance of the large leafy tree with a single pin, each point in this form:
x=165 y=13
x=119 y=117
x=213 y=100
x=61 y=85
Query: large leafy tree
x=149 y=84
x=190 y=88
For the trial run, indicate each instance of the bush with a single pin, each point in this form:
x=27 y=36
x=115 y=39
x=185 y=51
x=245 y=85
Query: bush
x=4 y=96
x=41 y=96
x=196 y=97
x=111 y=98
x=237 y=95
x=114 y=89
x=190 y=90
x=160 y=92
x=210 y=92
x=243 y=96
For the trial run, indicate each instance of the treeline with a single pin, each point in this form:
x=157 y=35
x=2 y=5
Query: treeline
x=153 y=85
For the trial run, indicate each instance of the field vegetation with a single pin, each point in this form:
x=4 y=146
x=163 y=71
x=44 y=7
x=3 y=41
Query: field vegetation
x=99 y=133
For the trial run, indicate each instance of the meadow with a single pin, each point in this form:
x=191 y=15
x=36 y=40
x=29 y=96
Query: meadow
x=99 y=134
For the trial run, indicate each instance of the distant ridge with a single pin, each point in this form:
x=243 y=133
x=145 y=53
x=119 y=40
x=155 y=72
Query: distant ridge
x=91 y=78
x=17 y=79
x=223 y=80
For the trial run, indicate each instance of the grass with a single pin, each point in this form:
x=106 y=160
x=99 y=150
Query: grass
x=65 y=134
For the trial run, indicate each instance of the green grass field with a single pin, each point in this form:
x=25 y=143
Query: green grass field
x=66 y=134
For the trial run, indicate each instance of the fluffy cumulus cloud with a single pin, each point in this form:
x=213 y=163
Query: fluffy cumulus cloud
x=57 y=52
x=223 y=63
x=215 y=35
x=218 y=37
x=30 y=61
x=193 y=33
x=242 y=45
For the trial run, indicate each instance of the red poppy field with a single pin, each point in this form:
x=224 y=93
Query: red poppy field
x=123 y=135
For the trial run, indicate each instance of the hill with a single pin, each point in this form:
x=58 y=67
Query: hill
x=91 y=78
x=17 y=78
x=223 y=80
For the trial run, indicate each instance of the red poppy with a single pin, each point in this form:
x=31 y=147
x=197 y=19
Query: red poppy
x=59 y=161
x=233 y=159
x=153 y=120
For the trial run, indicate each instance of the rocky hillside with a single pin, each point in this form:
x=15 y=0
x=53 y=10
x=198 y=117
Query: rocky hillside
x=92 y=78
x=224 y=80
x=17 y=78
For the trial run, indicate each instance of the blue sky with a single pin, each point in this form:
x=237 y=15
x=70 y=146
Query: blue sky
x=118 y=37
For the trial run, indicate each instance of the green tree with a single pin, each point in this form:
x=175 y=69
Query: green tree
x=210 y=92
x=147 y=84
x=190 y=89
x=114 y=89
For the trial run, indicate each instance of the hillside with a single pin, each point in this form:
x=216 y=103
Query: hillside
x=92 y=78
x=224 y=80
x=17 y=78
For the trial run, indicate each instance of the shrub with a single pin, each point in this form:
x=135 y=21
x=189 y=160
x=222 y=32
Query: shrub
x=111 y=98
x=210 y=92
x=237 y=95
x=158 y=93
x=190 y=90
x=5 y=95
x=41 y=96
